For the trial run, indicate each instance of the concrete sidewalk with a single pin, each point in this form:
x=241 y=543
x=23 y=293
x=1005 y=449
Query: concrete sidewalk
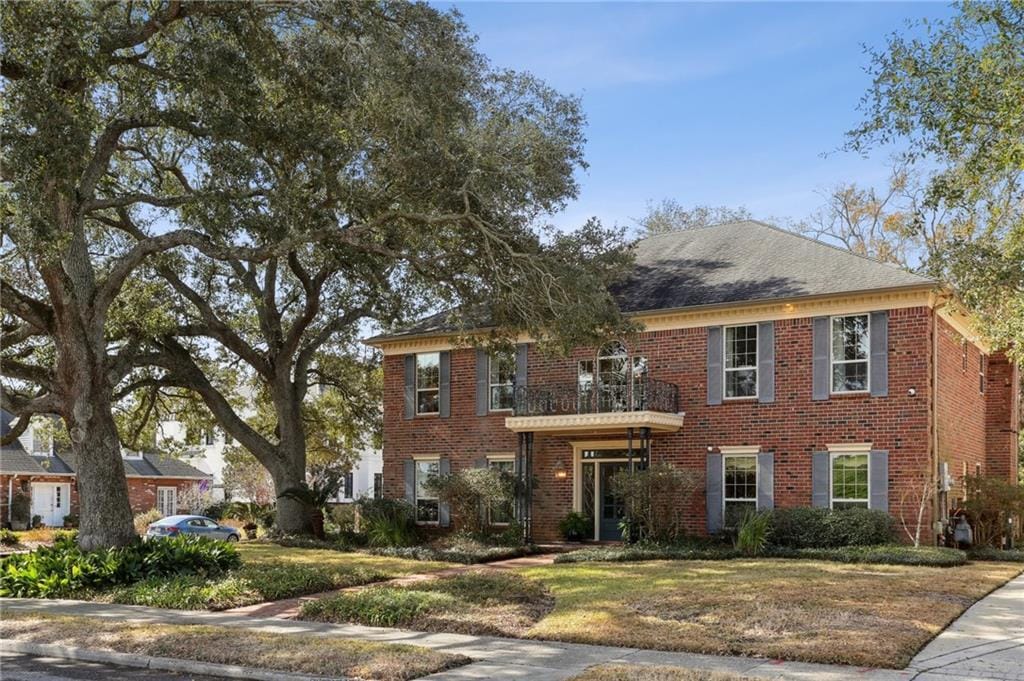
x=986 y=642
x=493 y=658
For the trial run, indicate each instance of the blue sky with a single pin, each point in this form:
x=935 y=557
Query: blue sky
x=721 y=104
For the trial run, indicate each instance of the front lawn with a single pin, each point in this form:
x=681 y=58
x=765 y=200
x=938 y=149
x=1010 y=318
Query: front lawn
x=480 y=602
x=867 y=615
x=269 y=573
x=301 y=653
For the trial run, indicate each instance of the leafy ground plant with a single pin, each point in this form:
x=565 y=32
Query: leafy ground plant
x=322 y=655
x=483 y=602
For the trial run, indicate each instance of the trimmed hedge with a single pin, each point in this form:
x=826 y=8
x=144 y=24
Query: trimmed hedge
x=989 y=553
x=62 y=569
x=464 y=555
x=824 y=528
x=890 y=554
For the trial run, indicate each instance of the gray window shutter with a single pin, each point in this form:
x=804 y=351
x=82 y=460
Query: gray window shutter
x=410 y=482
x=445 y=407
x=821 y=496
x=821 y=384
x=879 y=354
x=878 y=472
x=521 y=354
x=715 y=365
x=766 y=362
x=765 y=481
x=483 y=381
x=444 y=511
x=714 y=493
x=410 y=386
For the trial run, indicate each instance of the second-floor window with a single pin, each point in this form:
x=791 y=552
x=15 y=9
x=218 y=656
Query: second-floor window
x=741 y=361
x=428 y=383
x=502 y=381
x=981 y=373
x=850 y=353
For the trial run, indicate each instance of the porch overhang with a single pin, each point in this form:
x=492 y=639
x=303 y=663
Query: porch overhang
x=617 y=421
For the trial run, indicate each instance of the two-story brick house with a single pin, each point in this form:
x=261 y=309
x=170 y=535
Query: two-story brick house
x=789 y=372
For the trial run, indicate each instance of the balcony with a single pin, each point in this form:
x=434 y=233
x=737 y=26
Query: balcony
x=642 y=403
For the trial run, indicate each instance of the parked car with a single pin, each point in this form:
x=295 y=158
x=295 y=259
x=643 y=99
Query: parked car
x=191 y=524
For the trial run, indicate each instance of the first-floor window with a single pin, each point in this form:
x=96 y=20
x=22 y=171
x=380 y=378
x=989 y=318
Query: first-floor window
x=740 y=480
x=167 y=500
x=427 y=505
x=378 y=485
x=501 y=513
x=850 y=480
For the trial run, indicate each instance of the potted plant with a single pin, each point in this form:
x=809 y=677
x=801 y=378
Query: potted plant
x=249 y=512
x=21 y=505
x=71 y=521
x=324 y=484
x=575 y=526
x=37 y=522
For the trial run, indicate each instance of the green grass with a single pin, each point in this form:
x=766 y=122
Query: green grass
x=269 y=573
x=299 y=653
x=478 y=602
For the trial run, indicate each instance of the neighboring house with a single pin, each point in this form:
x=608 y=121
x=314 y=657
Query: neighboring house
x=784 y=370
x=206 y=455
x=47 y=475
x=366 y=479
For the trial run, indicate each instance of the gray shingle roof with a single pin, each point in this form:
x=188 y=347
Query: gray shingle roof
x=731 y=263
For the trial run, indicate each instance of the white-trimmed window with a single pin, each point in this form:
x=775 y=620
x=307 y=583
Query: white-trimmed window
x=501 y=513
x=167 y=500
x=851 y=353
x=427 y=504
x=739 y=480
x=850 y=479
x=502 y=381
x=428 y=383
x=741 y=361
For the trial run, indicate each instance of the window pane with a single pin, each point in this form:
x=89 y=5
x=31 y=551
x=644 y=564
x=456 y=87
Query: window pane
x=741 y=346
x=427 y=510
x=850 y=479
x=428 y=401
x=849 y=376
x=424 y=471
x=741 y=383
x=741 y=477
x=850 y=337
x=502 y=380
x=428 y=370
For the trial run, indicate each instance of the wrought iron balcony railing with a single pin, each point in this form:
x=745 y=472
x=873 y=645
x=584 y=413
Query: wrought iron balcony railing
x=642 y=394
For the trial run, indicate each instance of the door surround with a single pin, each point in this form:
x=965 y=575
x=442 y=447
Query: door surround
x=53 y=515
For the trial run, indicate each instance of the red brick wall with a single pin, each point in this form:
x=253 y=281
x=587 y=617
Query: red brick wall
x=792 y=427
x=141 y=491
x=1002 y=417
x=960 y=407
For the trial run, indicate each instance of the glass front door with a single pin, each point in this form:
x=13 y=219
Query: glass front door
x=613 y=510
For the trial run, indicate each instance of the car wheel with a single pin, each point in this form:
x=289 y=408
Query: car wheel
x=232 y=538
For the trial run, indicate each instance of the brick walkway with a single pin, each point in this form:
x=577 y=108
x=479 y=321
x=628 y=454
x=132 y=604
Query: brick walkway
x=289 y=608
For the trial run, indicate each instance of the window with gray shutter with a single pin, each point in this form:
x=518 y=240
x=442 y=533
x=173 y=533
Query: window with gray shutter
x=410 y=386
x=765 y=481
x=766 y=362
x=878 y=470
x=820 y=491
x=444 y=510
x=820 y=355
x=445 y=387
x=715 y=365
x=713 y=493
x=879 y=354
x=482 y=378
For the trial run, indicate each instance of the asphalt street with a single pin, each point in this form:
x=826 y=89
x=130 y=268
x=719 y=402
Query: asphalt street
x=20 y=667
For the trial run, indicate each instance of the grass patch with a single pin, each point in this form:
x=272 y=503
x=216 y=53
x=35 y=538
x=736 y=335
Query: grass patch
x=269 y=572
x=877 y=616
x=466 y=555
x=631 y=672
x=301 y=653
x=479 y=602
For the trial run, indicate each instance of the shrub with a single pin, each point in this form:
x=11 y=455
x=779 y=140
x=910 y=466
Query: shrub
x=656 y=499
x=575 y=526
x=62 y=569
x=377 y=606
x=753 y=533
x=343 y=517
x=471 y=492
x=463 y=554
x=8 y=538
x=989 y=553
x=388 y=522
x=990 y=503
x=826 y=528
x=143 y=520
x=21 y=506
x=71 y=520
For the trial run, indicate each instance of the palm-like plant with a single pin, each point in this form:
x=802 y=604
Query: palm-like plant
x=323 y=484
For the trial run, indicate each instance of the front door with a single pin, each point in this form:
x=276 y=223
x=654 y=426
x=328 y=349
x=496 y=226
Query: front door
x=51 y=502
x=612 y=509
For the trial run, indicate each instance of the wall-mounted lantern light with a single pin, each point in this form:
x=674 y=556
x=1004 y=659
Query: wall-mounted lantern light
x=560 y=472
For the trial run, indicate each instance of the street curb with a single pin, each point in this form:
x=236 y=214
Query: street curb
x=167 y=664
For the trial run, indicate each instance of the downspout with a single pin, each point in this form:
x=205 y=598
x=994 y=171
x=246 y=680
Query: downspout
x=933 y=409
x=10 y=498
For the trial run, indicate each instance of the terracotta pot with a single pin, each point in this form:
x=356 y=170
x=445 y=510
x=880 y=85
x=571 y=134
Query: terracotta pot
x=316 y=518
